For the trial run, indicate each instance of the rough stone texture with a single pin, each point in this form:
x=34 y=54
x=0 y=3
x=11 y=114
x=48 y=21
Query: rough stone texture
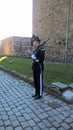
x=6 y=46
x=62 y=91
x=16 y=46
x=49 y=18
x=68 y=95
x=20 y=111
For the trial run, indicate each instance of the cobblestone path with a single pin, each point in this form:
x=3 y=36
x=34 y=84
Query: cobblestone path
x=20 y=111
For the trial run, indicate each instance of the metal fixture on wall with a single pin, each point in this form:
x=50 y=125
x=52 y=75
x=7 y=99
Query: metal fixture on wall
x=67 y=30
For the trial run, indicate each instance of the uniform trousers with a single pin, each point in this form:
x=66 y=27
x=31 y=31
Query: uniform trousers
x=38 y=79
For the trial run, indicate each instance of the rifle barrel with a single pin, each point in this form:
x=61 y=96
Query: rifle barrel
x=45 y=40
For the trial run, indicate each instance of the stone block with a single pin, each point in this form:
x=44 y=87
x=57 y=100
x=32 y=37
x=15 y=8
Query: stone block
x=71 y=85
x=68 y=96
x=59 y=86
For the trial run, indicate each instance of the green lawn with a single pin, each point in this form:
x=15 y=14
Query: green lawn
x=53 y=72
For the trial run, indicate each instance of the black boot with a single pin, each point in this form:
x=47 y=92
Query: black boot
x=34 y=95
x=38 y=97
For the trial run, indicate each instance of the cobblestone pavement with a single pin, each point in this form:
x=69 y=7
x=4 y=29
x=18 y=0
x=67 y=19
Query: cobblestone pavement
x=20 y=111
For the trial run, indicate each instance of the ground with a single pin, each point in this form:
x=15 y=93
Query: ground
x=20 y=111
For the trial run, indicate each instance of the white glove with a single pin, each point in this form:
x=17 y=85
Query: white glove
x=37 y=60
x=33 y=57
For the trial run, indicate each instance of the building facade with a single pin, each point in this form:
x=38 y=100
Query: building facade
x=50 y=18
x=16 y=46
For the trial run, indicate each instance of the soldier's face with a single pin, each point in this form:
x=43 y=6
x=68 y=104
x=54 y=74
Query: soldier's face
x=35 y=44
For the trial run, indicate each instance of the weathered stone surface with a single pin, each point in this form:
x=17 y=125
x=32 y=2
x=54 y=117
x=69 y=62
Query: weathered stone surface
x=54 y=104
x=16 y=46
x=50 y=18
x=57 y=87
x=60 y=85
x=68 y=96
x=20 y=111
x=71 y=85
x=61 y=91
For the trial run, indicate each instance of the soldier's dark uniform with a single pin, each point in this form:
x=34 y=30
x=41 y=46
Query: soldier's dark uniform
x=38 y=67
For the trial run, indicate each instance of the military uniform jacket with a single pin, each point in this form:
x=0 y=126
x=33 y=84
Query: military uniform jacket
x=39 y=53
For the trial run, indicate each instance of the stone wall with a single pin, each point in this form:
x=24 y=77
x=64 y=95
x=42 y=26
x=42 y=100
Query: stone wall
x=22 y=46
x=50 y=19
x=16 y=46
x=7 y=46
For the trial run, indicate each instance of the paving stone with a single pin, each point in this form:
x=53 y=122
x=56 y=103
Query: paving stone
x=5 y=117
x=41 y=116
x=1 y=122
x=15 y=123
x=69 y=120
x=45 y=128
x=61 y=116
x=36 y=119
x=57 y=119
x=52 y=128
x=12 y=117
x=65 y=126
x=72 y=116
x=55 y=111
x=9 y=128
x=18 y=128
x=21 y=119
x=10 y=112
x=47 y=123
x=56 y=124
x=50 y=119
x=7 y=122
x=28 y=128
x=61 y=128
x=26 y=116
x=19 y=111
x=31 y=123
x=51 y=113
x=2 y=128
x=36 y=128
x=71 y=124
x=24 y=124
x=41 y=125
x=32 y=115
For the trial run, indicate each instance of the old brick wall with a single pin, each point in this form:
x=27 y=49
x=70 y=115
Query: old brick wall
x=16 y=46
x=7 y=46
x=22 y=46
x=50 y=19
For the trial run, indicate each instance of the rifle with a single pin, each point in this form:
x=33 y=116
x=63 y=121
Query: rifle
x=44 y=42
x=42 y=45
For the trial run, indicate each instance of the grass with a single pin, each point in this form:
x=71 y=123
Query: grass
x=56 y=72
x=21 y=65
x=53 y=72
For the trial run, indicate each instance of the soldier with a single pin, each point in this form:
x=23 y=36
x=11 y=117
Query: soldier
x=37 y=66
